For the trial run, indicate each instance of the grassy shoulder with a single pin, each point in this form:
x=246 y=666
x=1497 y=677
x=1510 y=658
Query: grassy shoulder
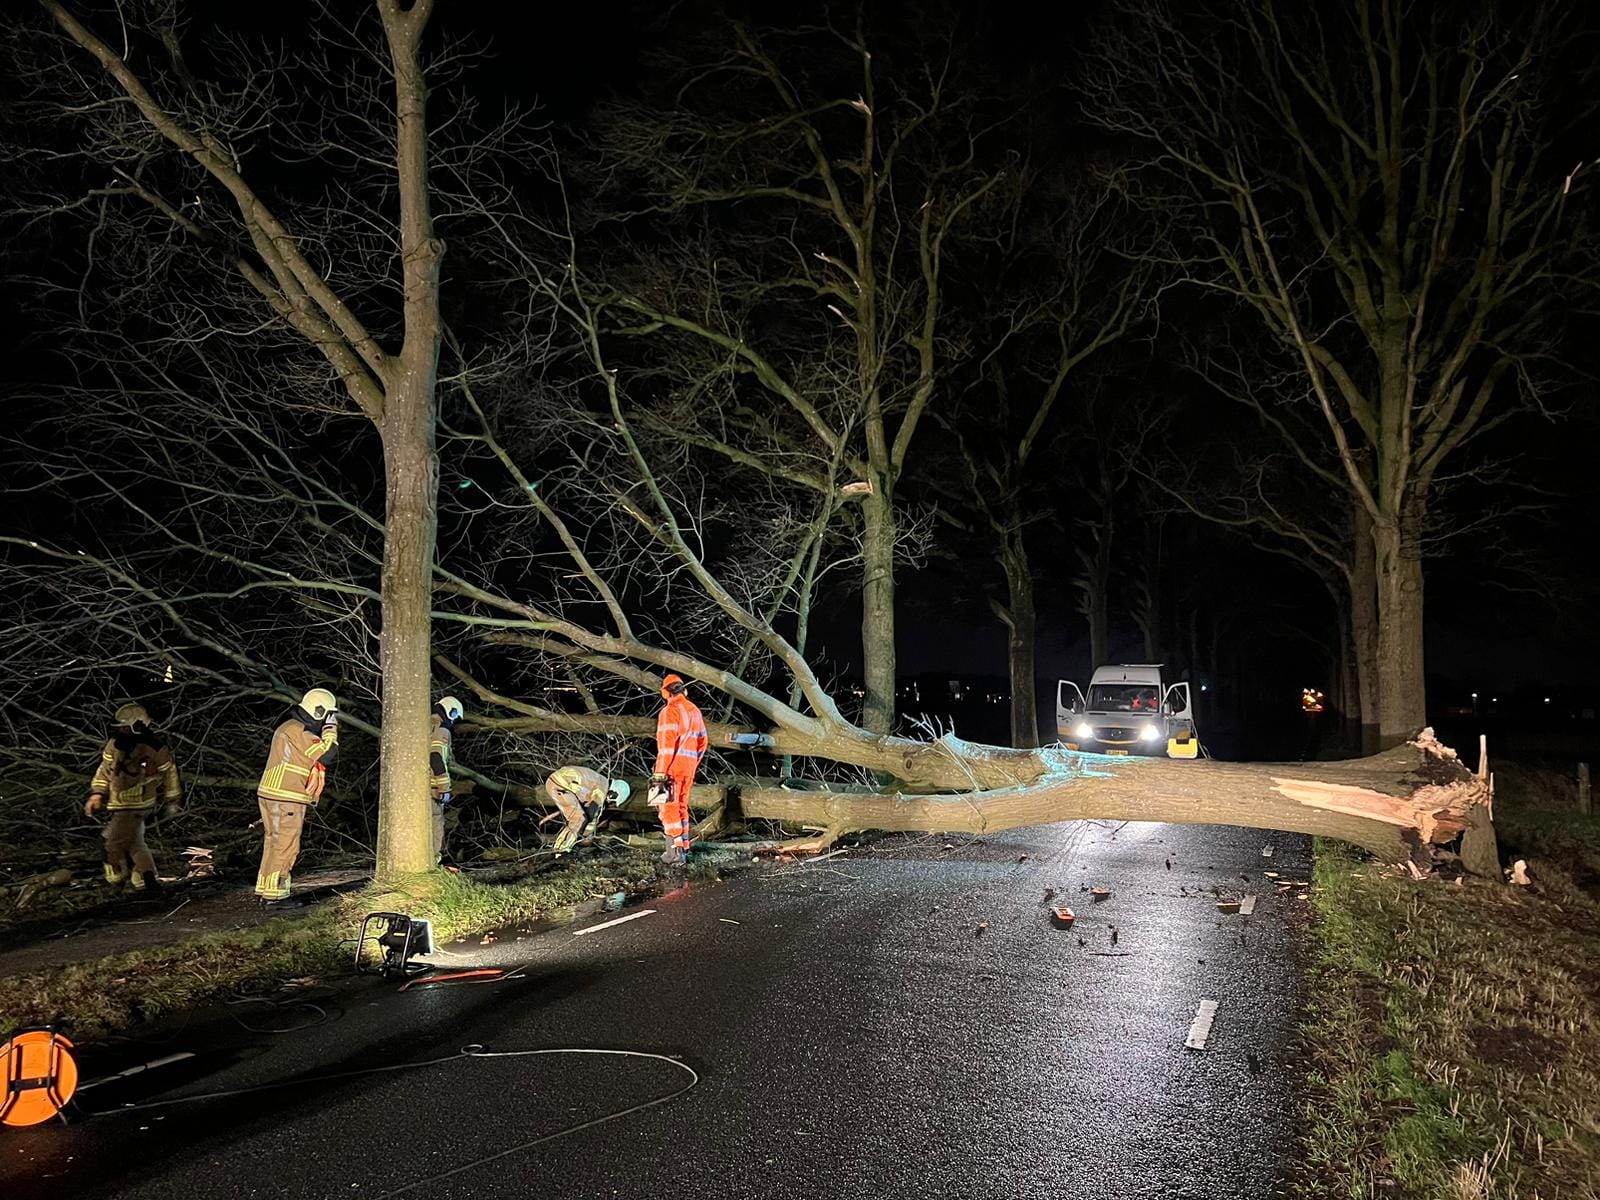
x=122 y=990
x=1454 y=1031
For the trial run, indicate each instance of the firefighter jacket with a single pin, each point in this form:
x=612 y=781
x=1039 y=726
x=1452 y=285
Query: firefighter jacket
x=590 y=787
x=439 y=759
x=135 y=771
x=294 y=764
x=680 y=738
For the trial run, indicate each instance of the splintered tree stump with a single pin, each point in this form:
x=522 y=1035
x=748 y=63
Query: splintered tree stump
x=1409 y=804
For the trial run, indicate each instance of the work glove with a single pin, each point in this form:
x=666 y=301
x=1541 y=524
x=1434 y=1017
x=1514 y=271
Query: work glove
x=95 y=801
x=446 y=797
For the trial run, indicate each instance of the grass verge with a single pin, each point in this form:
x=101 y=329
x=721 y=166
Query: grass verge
x=1454 y=1032
x=122 y=990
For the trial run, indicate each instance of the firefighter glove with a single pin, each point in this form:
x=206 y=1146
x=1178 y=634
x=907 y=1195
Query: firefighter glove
x=445 y=799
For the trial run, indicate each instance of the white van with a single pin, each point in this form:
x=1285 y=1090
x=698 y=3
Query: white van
x=1131 y=708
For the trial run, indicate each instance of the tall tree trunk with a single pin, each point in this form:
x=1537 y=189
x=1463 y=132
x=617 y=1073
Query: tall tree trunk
x=1099 y=625
x=877 y=609
x=1364 y=629
x=1349 y=692
x=1400 y=664
x=1401 y=805
x=1022 y=624
x=1402 y=705
x=411 y=474
x=411 y=468
x=1151 y=616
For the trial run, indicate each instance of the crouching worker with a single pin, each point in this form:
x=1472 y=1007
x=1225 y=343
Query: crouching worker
x=581 y=795
x=302 y=749
x=136 y=769
x=446 y=714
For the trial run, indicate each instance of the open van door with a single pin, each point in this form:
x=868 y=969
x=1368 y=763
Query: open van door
x=1179 y=708
x=1069 y=704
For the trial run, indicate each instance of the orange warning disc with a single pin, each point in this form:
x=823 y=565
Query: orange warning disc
x=40 y=1077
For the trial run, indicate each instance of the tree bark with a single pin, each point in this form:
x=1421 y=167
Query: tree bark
x=1402 y=705
x=1151 y=616
x=877 y=610
x=411 y=474
x=1094 y=584
x=1406 y=804
x=411 y=469
x=1022 y=628
x=1363 y=608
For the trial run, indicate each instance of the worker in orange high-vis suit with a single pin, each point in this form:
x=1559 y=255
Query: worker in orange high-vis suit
x=680 y=745
x=302 y=749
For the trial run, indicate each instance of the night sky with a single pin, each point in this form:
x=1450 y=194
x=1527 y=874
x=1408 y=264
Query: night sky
x=1489 y=627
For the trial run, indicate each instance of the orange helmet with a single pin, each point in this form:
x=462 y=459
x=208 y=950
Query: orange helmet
x=672 y=686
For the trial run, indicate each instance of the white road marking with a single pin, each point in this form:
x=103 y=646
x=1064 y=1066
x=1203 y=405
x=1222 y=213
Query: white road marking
x=643 y=912
x=1200 y=1030
x=1247 y=905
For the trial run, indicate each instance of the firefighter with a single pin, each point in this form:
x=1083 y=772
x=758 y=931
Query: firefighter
x=680 y=744
x=136 y=768
x=446 y=714
x=581 y=796
x=303 y=747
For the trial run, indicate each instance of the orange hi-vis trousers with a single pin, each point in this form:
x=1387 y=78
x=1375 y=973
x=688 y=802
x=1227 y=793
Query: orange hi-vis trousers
x=675 y=812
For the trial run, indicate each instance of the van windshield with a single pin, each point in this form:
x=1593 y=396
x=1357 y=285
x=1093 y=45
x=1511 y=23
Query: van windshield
x=1123 y=697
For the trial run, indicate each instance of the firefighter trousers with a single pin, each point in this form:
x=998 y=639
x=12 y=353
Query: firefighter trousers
x=572 y=811
x=281 y=824
x=438 y=831
x=675 y=812
x=124 y=838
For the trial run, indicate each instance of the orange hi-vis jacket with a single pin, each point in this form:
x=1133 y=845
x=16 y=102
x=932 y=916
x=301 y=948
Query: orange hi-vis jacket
x=681 y=739
x=295 y=753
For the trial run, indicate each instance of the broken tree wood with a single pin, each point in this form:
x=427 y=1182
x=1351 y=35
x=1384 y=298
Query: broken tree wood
x=1406 y=804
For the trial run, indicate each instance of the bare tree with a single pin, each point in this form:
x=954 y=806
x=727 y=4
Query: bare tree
x=802 y=307
x=1082 y=241
x=573 y=532
x=197 y=157
x=1381 y=189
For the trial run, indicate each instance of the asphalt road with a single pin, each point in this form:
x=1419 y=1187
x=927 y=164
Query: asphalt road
x=854 y=1032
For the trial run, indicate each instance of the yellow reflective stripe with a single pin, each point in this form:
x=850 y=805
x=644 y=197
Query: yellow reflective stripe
x=328 y=740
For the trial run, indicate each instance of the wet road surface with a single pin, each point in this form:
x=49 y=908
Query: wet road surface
x=854 y=1032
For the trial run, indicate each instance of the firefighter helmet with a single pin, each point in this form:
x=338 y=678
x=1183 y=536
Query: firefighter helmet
x=619 y=792
x=451 y=707
x=319 y=703
x=134 y=717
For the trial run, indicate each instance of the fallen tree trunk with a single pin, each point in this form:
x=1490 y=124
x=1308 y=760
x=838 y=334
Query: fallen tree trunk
x=1406 y=804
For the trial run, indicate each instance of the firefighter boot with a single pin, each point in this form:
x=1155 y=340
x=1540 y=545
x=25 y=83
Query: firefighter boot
x=115 y=875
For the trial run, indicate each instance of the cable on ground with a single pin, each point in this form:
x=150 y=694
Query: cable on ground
x=470 y=1051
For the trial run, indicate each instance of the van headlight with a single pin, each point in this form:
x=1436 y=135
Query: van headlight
x=1084 y=730
x=1150 y=733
